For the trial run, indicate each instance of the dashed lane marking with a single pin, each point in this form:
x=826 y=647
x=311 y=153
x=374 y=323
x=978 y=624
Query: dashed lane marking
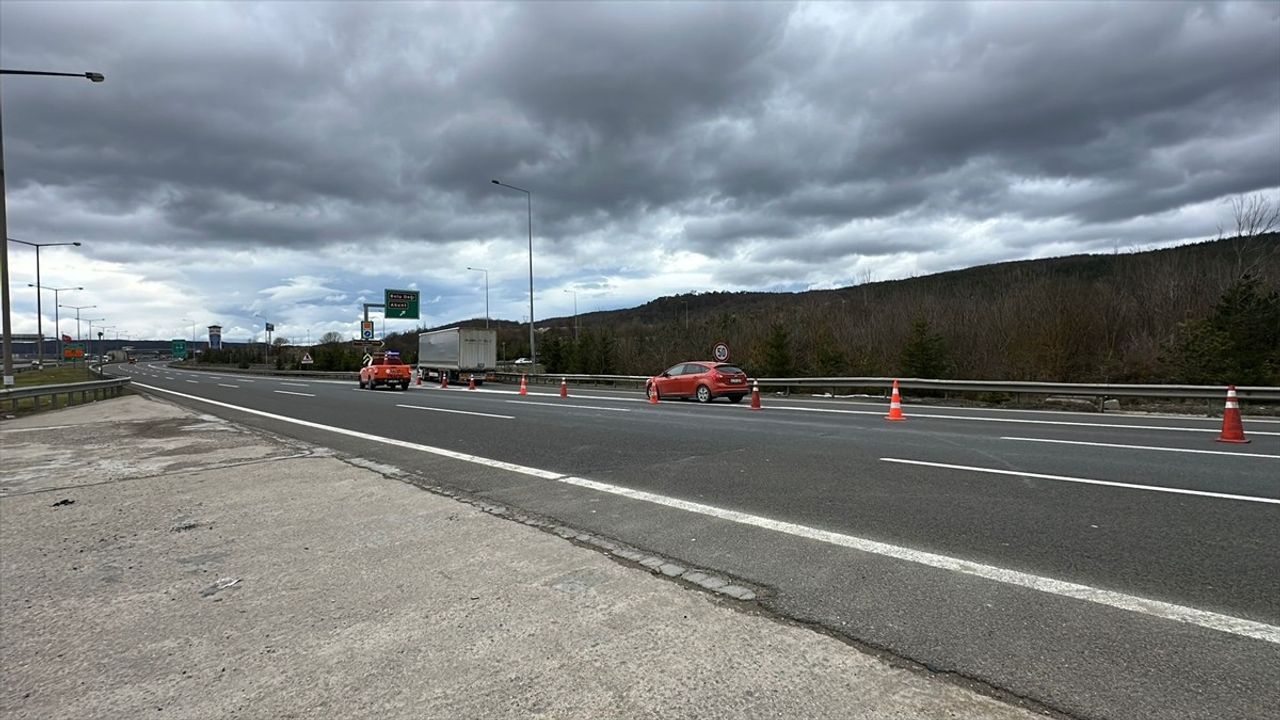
x=287 y=392
x=1086 y=481
x=566 y=405
x=1144 y=447
x=457 y=412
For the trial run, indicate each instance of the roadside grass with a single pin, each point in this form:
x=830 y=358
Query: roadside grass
x=49 y=376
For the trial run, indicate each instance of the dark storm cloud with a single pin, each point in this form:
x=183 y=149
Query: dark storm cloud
x=779 y=128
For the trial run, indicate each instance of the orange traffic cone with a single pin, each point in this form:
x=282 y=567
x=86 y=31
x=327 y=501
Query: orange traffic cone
x=419 y=376
x=653 y=393
x=1232 y=428
x=444 y=380
x=472 y=384
x=524 y=387
x=755 y=395
x=895 y=406
x=564 y=388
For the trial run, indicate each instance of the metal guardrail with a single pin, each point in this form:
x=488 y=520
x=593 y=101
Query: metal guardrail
x=1096 y=390
x=36 y=393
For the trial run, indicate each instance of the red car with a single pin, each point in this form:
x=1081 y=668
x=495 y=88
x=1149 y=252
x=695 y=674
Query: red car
x=702 y=380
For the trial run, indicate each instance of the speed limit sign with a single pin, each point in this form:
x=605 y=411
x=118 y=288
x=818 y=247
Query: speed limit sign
x=720 y=352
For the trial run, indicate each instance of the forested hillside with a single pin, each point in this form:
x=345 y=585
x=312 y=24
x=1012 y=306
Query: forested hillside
x=1208 y=312
x=1201 y=313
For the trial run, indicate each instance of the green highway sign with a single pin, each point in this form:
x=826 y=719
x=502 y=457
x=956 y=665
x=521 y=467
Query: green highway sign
x=178 y=349
x=400 y=305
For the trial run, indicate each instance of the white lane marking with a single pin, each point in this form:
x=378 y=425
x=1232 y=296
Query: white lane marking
x=458 y=412
x=1132 y=603
x=35 y=429
x=974 y=418
x=237 y=387
x=244 y=380
x=1142 y=447
x=194 y=381
x=287 y=392
x=294 y=384
x=1086 y=481
x=522 y=469
x=566 y=405
x=166 y=377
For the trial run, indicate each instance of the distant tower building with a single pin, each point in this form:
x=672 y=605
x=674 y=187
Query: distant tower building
x=215 y=337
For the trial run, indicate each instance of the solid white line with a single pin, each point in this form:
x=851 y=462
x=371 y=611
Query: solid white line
x=1168 y=611
x=458 y=412
x=287 y=392
x=524 y=470
x=237 y=387
x=1087 y=481
x=1132 y=603
x=1143 y=447
x=566 y=405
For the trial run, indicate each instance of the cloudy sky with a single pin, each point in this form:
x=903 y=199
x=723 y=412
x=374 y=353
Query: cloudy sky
x=293 y=159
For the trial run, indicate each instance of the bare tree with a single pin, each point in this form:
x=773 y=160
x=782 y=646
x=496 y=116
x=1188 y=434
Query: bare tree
x=1257 y=217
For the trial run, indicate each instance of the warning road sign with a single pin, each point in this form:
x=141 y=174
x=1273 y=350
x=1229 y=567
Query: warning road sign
x=306 y=359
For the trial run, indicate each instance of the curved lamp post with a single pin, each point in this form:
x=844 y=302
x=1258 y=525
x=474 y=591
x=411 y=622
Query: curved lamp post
x=4 y=228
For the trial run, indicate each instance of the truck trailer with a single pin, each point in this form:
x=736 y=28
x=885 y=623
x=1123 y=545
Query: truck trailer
x=460 y=352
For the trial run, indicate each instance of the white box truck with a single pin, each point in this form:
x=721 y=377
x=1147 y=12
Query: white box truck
x=458 y=351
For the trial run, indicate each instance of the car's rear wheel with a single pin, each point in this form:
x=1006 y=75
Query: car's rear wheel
x=704 y=394
x=362 y=384
x=736 y=398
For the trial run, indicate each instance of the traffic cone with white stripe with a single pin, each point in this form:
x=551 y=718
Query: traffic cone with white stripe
x=524 y=386
x=895 y=406
x=471 y=385
x=444 y=379
x=1232 y=427
x=755 y=395
x=653 y=393
x=419 y=371
x=564 y=388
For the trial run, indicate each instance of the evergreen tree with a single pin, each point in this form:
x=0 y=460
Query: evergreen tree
x=778 y=361
x=925 y=353
x=1238 y=343
x=829 y=359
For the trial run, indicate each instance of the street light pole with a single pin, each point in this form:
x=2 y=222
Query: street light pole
x=7 y=328
x=575 y=313
x=57 y=318
x=78 y=308
x=486 y=294
x=39 y=310
x=533 y=353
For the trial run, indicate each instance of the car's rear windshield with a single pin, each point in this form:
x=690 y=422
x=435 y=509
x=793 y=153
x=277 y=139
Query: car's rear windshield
x=729 y=369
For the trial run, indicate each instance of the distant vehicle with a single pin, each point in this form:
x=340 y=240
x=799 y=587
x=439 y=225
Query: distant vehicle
x=459 y=352
x=385 y=369
x=702 y=380
x=522 y=361
x=133 y=361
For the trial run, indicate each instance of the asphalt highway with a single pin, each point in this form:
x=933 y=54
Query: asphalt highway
x=1098 y=566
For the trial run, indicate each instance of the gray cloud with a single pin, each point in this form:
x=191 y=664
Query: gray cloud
x=784 y=144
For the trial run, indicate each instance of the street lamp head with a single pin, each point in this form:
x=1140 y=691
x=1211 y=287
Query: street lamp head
x=77 y=243
x=495 y=182
x=95 y=77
